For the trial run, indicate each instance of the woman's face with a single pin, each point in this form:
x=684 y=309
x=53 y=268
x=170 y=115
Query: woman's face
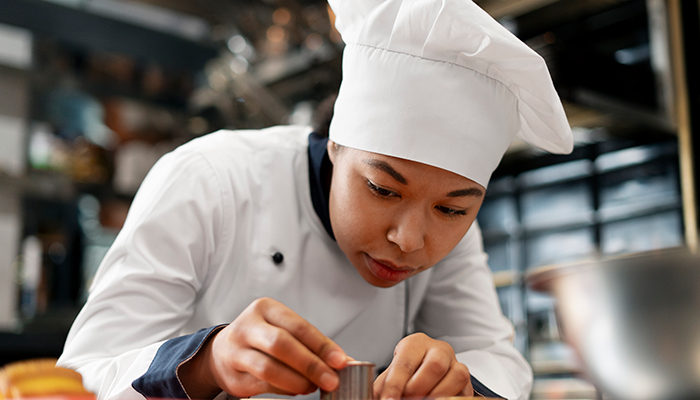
x=394 y=218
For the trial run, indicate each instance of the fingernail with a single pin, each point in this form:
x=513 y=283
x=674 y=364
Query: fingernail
x=329 y=381
x=336 y=358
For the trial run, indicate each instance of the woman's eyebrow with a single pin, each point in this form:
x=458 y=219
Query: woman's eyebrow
x=466 y=192
x=384 y=166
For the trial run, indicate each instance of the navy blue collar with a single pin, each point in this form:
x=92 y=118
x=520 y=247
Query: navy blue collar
x=319 y=169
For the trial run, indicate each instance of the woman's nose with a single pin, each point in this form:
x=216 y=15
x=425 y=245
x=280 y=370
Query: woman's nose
x=408 y=232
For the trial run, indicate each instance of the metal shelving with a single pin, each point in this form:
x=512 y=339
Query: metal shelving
x=563 y=212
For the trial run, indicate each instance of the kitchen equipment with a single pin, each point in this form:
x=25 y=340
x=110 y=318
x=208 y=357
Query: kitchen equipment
x=356 y=381
x=633 y=321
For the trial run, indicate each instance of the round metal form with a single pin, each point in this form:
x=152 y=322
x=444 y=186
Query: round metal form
x=356 y=381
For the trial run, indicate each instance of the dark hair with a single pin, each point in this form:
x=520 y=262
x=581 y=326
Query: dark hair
x=323 y=115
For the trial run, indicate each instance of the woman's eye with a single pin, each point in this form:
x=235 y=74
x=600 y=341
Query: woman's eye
x=451 y=212
x=380 y=191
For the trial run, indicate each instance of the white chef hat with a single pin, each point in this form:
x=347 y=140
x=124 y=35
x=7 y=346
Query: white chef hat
x=442 y=83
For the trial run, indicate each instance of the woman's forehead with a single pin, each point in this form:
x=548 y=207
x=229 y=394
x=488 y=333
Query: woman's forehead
x=408 y=169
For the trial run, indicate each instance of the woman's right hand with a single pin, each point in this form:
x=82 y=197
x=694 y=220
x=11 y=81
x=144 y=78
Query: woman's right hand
x=268 y=348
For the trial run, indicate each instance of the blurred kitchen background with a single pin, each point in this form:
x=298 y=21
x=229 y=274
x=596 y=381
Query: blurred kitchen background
x=93 y=92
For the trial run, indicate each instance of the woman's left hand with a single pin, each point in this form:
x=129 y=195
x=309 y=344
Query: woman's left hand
x=423 y=367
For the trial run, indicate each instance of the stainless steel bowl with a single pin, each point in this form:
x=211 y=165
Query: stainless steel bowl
x=633 y=321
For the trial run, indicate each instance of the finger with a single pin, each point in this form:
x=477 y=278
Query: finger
x=468 y=390
x=330 y=352
x=399 y=372
x=297 y=343
x=456 y=382
x=254 y=386
x=244 y=385
x=432 y=370
x=269 y=373
x=285 y=348
x=378 y=384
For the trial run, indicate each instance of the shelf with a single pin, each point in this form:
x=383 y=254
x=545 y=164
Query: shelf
x=585 y=117
x=500 y=186
x=634 y=156
x=563 y=388
x=619 y=212
x=48 y=185
x=556 y=174
x=492 y=236
x=94 y=32
x=636 y=209
x=512 y=8
x=560 y=222
x=554 y=367
x=277 y=69
x=553 y=358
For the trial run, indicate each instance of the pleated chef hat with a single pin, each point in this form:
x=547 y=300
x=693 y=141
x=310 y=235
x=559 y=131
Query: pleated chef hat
x=442 y=83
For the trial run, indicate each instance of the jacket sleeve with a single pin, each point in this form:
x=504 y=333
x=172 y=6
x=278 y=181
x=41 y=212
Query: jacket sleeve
x=162 y=381
x=461 y=307
x=144 y=291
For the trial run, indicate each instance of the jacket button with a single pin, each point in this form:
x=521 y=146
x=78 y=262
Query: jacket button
x=277 y=258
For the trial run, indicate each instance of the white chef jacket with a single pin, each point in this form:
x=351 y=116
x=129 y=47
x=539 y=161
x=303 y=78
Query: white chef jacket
x=196 y=248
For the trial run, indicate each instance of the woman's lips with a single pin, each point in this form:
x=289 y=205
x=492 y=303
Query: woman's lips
x=387 y=271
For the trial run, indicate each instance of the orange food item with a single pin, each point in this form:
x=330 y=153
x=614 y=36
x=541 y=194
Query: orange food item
x=39 y=378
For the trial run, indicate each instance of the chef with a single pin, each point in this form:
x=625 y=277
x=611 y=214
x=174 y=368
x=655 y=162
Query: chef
x=260 y=262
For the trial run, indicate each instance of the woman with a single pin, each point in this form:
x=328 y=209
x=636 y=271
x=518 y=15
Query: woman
x=257 y=262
